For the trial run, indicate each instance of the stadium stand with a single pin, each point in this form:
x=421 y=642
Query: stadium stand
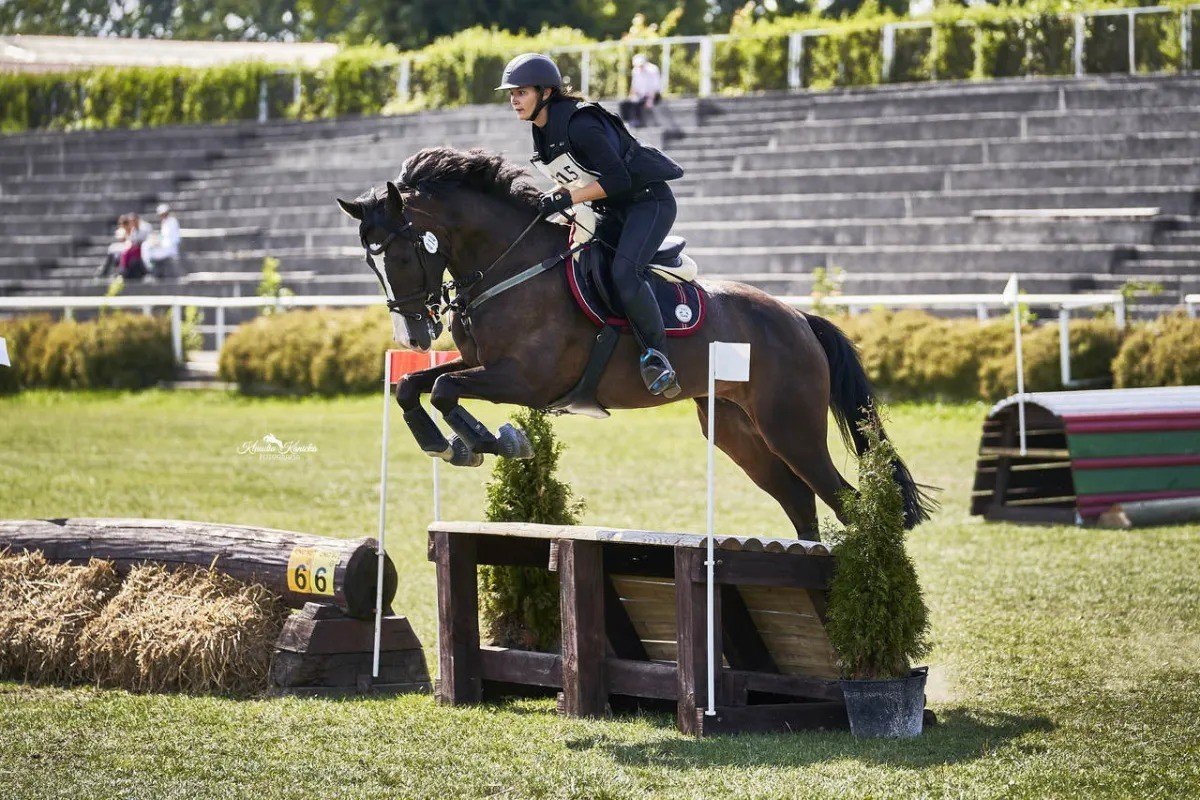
x=1077 y=184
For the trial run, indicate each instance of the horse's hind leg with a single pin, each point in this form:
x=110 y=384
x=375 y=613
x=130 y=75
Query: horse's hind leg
x=795 y=426
x=740 y=440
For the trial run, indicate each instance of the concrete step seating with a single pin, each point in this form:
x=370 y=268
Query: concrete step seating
x=918 y=188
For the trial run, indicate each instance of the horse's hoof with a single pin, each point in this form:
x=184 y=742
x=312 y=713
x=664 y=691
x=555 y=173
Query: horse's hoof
x=463 y=455
x=444 y=455
x=513 y=442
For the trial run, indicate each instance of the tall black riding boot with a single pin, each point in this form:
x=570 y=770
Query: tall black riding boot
x=644 y=315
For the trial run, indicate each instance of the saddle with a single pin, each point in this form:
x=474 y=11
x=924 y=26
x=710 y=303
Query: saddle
x=671 y=274
x=681 y=301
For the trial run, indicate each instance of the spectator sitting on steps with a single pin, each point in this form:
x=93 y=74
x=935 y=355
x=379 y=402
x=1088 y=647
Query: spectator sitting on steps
x=163 y=249
x=132 y=268
x=120 y=243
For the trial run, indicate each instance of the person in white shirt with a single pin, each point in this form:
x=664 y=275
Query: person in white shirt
x=165 y=247
x=645 y=90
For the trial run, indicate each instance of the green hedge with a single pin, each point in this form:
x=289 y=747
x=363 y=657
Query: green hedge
x=914 y=355
x=308 y=352
x=977 y=42
x=116 y=351
x=1165 y=352
x=909 y=355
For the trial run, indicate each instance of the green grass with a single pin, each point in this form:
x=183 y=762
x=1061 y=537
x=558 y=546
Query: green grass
x=1066 y=662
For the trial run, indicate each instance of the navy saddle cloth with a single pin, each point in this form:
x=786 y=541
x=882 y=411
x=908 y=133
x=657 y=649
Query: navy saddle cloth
x=682 y=304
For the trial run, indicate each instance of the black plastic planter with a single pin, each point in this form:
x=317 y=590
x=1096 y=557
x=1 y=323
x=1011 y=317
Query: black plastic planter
x=891 y=709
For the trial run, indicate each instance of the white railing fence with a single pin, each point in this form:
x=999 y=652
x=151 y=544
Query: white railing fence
x=981 y=304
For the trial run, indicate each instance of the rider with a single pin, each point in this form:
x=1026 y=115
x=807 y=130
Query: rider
x=591 y=156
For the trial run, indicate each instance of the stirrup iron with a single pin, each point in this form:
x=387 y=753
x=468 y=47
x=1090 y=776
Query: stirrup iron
x=658 y=374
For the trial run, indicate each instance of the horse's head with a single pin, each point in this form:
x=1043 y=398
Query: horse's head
x=414 y=259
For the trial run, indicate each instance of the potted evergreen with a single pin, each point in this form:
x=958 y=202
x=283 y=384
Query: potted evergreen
x=520 y=604
x=877 y=619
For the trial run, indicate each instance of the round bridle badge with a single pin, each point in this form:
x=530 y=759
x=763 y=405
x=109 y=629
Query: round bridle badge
x=683 y=313
x=430 y=241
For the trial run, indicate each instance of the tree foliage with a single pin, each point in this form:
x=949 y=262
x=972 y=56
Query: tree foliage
x=520 y=604
x=877 y=619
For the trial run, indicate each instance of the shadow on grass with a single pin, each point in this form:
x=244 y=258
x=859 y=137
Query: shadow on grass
x=959 y=736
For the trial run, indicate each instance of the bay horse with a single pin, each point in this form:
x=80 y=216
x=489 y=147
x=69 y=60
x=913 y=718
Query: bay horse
x=528 y=343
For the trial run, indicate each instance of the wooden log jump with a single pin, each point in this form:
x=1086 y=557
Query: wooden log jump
x=299 y=567
x=634 y=625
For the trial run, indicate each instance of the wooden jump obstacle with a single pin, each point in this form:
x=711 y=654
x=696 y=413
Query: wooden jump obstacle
x=1087 y=452
x=634 y=625
x=298 y=567
x=327 y=648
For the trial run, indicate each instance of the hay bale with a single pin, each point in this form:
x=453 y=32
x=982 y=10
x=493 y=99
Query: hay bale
x=187 y=629
x=44 y=608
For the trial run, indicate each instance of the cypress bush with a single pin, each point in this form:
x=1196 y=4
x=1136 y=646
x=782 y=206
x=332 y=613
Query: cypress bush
x=520 y=604
x=876 y=617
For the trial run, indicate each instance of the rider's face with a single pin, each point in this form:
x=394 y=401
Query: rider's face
x=523 y=100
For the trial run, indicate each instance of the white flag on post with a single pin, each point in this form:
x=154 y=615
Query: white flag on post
x=4 y=362
x=1010 y=290
x=730 y=360
x=727 y=361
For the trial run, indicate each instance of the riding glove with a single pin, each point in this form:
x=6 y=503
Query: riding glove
x=553 y=202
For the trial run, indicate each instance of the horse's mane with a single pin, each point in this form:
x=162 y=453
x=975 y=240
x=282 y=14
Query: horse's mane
x=476 y=168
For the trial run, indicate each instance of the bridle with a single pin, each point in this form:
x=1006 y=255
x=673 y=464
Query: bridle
x=431 y=290
x=437 y=296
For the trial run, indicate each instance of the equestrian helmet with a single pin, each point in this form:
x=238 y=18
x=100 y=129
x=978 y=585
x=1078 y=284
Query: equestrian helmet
x=530 y=69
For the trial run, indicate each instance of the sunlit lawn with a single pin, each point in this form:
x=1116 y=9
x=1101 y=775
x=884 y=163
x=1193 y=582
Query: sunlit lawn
x=1067 y=662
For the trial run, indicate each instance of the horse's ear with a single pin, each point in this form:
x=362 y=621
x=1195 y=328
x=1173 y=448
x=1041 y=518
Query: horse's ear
x=352 y=208
x=394 y=195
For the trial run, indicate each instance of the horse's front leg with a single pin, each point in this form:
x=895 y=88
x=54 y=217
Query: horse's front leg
x=429 y=437
x=500 y=383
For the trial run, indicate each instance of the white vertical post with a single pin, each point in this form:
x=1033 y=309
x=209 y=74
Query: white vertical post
x=1012 y=296
x=710 y=516
x=262 y=100
x=934 y=44
x=437 y=488
x=664 y=69
x=795 y=60
x=1079 y=33
x=1185 y=40
x=404 y=79
x=1132 y=53
x=220 y=327
x=888 y=44
x=585 y=72
x=706 y=57
x=1064 y=346
x=1119 y=312
x=177 y=333
x=383 y=470
x=297 y=89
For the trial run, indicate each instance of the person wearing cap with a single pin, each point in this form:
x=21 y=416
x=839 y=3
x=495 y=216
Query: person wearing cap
x=645 y=90
x=592 y=157
x=166 y=249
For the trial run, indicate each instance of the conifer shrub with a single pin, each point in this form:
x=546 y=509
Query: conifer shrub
x=876 y=618
x=520 y=604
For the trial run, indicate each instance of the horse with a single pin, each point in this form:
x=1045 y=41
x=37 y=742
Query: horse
x=523 y=340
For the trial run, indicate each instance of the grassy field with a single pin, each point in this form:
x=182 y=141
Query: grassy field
x=1066 y=662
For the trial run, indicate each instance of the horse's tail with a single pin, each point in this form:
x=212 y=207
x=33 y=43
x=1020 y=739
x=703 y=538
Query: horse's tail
x=853 y=401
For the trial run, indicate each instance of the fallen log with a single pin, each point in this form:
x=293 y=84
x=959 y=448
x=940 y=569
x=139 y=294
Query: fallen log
x=299 y=567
